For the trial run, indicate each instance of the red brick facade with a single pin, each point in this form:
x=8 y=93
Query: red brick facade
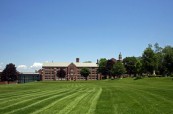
x=72 y=72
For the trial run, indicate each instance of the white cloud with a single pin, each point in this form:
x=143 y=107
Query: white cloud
x=36 y=65
x=22 y=67
x=0 y=68
x=1 y=65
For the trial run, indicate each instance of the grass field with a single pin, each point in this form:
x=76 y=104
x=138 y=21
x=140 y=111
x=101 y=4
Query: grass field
x=123 y=96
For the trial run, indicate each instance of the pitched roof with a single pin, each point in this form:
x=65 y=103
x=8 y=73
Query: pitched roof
x=55 y=64
x=28 y=73
x=86 y=64
x=66 y=64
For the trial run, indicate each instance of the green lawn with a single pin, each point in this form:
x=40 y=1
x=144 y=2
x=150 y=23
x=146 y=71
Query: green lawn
x=123 y=96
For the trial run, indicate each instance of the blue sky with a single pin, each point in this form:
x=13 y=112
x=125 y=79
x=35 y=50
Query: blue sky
x=35 y=31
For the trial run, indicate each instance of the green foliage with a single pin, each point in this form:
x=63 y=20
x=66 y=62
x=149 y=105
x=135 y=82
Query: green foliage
x=125 y=96
x=159 y=60
x=149 y=60
x=85 y=72
x=9 y=73
x=109 y=66
x=130 y=65
x=138 y=67
x=61 y=73
x=168 y=59
x=102 y=67
x=118 y=69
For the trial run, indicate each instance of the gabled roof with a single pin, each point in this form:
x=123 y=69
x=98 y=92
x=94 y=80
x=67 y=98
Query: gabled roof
x=28 y=73
x=86 y=64
x=66 y=64
x=55 y=64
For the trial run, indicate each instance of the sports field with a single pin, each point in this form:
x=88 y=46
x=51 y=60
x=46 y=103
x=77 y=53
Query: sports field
x=123 y=96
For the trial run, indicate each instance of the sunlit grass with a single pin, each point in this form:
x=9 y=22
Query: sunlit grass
x=147 y=96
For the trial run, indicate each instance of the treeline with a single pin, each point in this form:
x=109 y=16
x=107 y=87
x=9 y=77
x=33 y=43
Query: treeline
x=155 y=60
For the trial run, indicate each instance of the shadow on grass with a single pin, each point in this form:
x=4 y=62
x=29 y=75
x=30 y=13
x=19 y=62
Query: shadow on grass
x=137 y=78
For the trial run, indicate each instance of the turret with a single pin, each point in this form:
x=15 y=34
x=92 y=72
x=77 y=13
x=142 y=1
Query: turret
x=120 y=56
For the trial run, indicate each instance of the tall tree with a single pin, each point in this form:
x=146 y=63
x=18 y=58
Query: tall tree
x=130 y=65
x=168 y=60
x=149 y=60
x=138 y=67
x=102 y=69
x=9 y=73
x=85 y=72
x=159 y=58
x=61 y=73
x=109 y=65
x=118 y=69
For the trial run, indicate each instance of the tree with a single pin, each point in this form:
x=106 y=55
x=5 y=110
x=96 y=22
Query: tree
x=9 y=73
x=130 y=65
x=61 y=73
x=149 y=60
x=168 y=60
x=102 y=67
x=118 y=69
x=85 y=72
x=159 y=58
x=109 y=66
x=158 y=49
x=138 y=67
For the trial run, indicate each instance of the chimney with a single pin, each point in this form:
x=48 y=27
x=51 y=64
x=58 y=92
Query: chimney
x=77 y=60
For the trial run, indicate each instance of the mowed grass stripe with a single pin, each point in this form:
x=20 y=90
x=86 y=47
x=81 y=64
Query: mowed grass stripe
x=72 y=104
x=59 y=105
x=134 y=100
x=24 y=100
x=117 y=100
x=19 y=90
x=147 y=106
x=82 y=106
x=12 y=100
x=122 y=96
x=147 y=103
x=93 y=101
x=152 y=102
x=105 y=101
x=39 y=104
x=156 y=95
x=17 y=93
x=155 y=103
x=88 y=103
x=53 y=104
x=27 y=102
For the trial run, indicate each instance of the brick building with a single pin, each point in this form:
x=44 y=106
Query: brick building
x=49 y=70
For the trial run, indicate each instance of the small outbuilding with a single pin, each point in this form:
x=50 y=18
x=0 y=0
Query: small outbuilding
x=26 y=77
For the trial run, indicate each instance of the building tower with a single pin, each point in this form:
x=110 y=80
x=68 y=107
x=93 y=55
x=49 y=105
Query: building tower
x=120 y=57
